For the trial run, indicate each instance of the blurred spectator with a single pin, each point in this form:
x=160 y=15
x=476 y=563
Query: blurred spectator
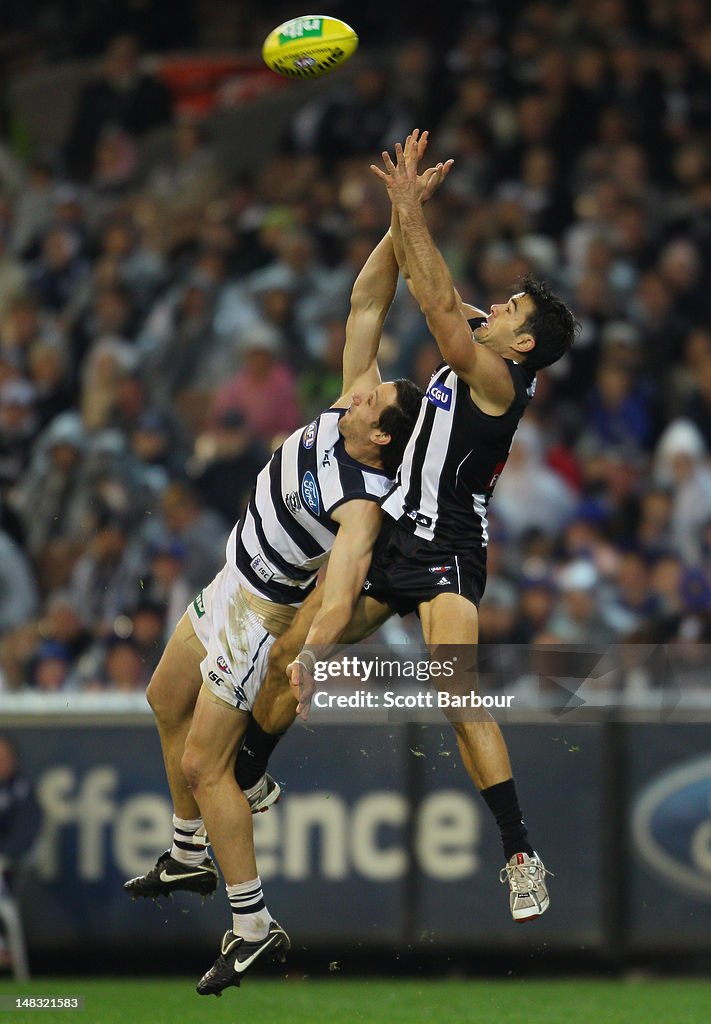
x=13 y=275
x=618 y=415
x=264 y=390
x=58 y=270
x=105 y=579
x=119 y=668
x=49 y=374
x=18 y=427
x=537 y=603
x=497 y=613
x=62 y=626
x=665 y=584
x=178 y=338
x=147 y=634
x=225 y=465
x=34 y=207
x=18 y=592
x=528 y=493
x=321 y=381
x=632 y=603
x=201 y=532
x=184 y=184
x=50 y=670
x=680 y=462
x=653 y=531
x=124 y=669
x=120 y=96
x=51 y=499
x=698 y=408
x=165 y=584
x=362 y=121
x=578 y=618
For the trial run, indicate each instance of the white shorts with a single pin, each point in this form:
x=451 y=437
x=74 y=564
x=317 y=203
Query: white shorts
x=235 y=639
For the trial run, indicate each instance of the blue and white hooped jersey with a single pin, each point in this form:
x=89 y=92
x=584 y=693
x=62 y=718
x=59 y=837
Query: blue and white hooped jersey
x=287 y=532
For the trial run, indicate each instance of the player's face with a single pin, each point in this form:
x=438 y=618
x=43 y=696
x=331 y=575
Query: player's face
x=365 y=410
x=498 y=331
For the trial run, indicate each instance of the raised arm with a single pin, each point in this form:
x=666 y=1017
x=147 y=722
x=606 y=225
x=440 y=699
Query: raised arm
x=431 y=283
x=371 y=298
x=374 y=289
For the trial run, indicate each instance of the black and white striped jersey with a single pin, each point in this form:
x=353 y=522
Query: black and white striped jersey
x=453 y=460
x=287 y=531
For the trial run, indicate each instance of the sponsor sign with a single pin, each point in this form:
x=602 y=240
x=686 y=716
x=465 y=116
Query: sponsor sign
x=671 y=826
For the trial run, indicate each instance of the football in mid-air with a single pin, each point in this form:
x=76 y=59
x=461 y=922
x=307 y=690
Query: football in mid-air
x=309 y=47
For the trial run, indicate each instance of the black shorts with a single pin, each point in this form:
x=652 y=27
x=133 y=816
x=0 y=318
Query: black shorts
x=406 y=571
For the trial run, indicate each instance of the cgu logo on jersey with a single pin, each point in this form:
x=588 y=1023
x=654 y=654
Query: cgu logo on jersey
x=440 y=396
x=309 y=492
x=309 y=435
x=671 y=827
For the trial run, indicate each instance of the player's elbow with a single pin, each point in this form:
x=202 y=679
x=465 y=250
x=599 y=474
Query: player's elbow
x=439 y=309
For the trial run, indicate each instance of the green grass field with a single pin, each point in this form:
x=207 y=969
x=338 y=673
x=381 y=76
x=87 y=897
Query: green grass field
x=338 y=1000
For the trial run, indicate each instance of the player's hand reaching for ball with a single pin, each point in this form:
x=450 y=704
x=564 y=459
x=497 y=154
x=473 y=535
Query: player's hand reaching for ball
x=401 y=178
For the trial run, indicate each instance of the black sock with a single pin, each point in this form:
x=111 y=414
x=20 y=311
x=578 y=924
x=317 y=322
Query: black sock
x=253 y=758
x=502 y=801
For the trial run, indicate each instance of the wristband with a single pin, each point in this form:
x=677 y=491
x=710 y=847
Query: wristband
x=307 y=654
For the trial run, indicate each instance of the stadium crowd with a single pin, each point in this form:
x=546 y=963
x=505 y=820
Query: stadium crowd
x=160 y=331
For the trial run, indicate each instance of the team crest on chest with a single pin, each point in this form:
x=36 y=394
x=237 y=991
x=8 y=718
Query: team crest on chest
x=293 y=503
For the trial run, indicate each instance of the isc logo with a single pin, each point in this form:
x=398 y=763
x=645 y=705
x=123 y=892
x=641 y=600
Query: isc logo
x=440 y=396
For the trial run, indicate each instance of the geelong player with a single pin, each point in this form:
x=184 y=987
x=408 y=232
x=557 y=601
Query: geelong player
x=430 y=555
x=318 y=494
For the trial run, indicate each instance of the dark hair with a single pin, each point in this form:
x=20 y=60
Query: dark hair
x=551 y=324
x=399 y=421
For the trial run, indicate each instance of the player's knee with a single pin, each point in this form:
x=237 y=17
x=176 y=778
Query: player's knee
x=195 y=765
x=157 y=695
x=172 y=706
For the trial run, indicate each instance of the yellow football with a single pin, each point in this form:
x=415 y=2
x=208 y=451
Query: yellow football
x=309 y=47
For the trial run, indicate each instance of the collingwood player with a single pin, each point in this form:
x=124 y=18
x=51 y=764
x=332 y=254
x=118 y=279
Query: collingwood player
x=318 y=495
x=430 y=555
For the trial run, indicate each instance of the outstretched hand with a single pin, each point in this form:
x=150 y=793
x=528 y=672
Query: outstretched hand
x=401 y=178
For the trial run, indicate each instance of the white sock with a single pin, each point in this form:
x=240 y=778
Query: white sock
x=189 y=841
x=250 y=917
